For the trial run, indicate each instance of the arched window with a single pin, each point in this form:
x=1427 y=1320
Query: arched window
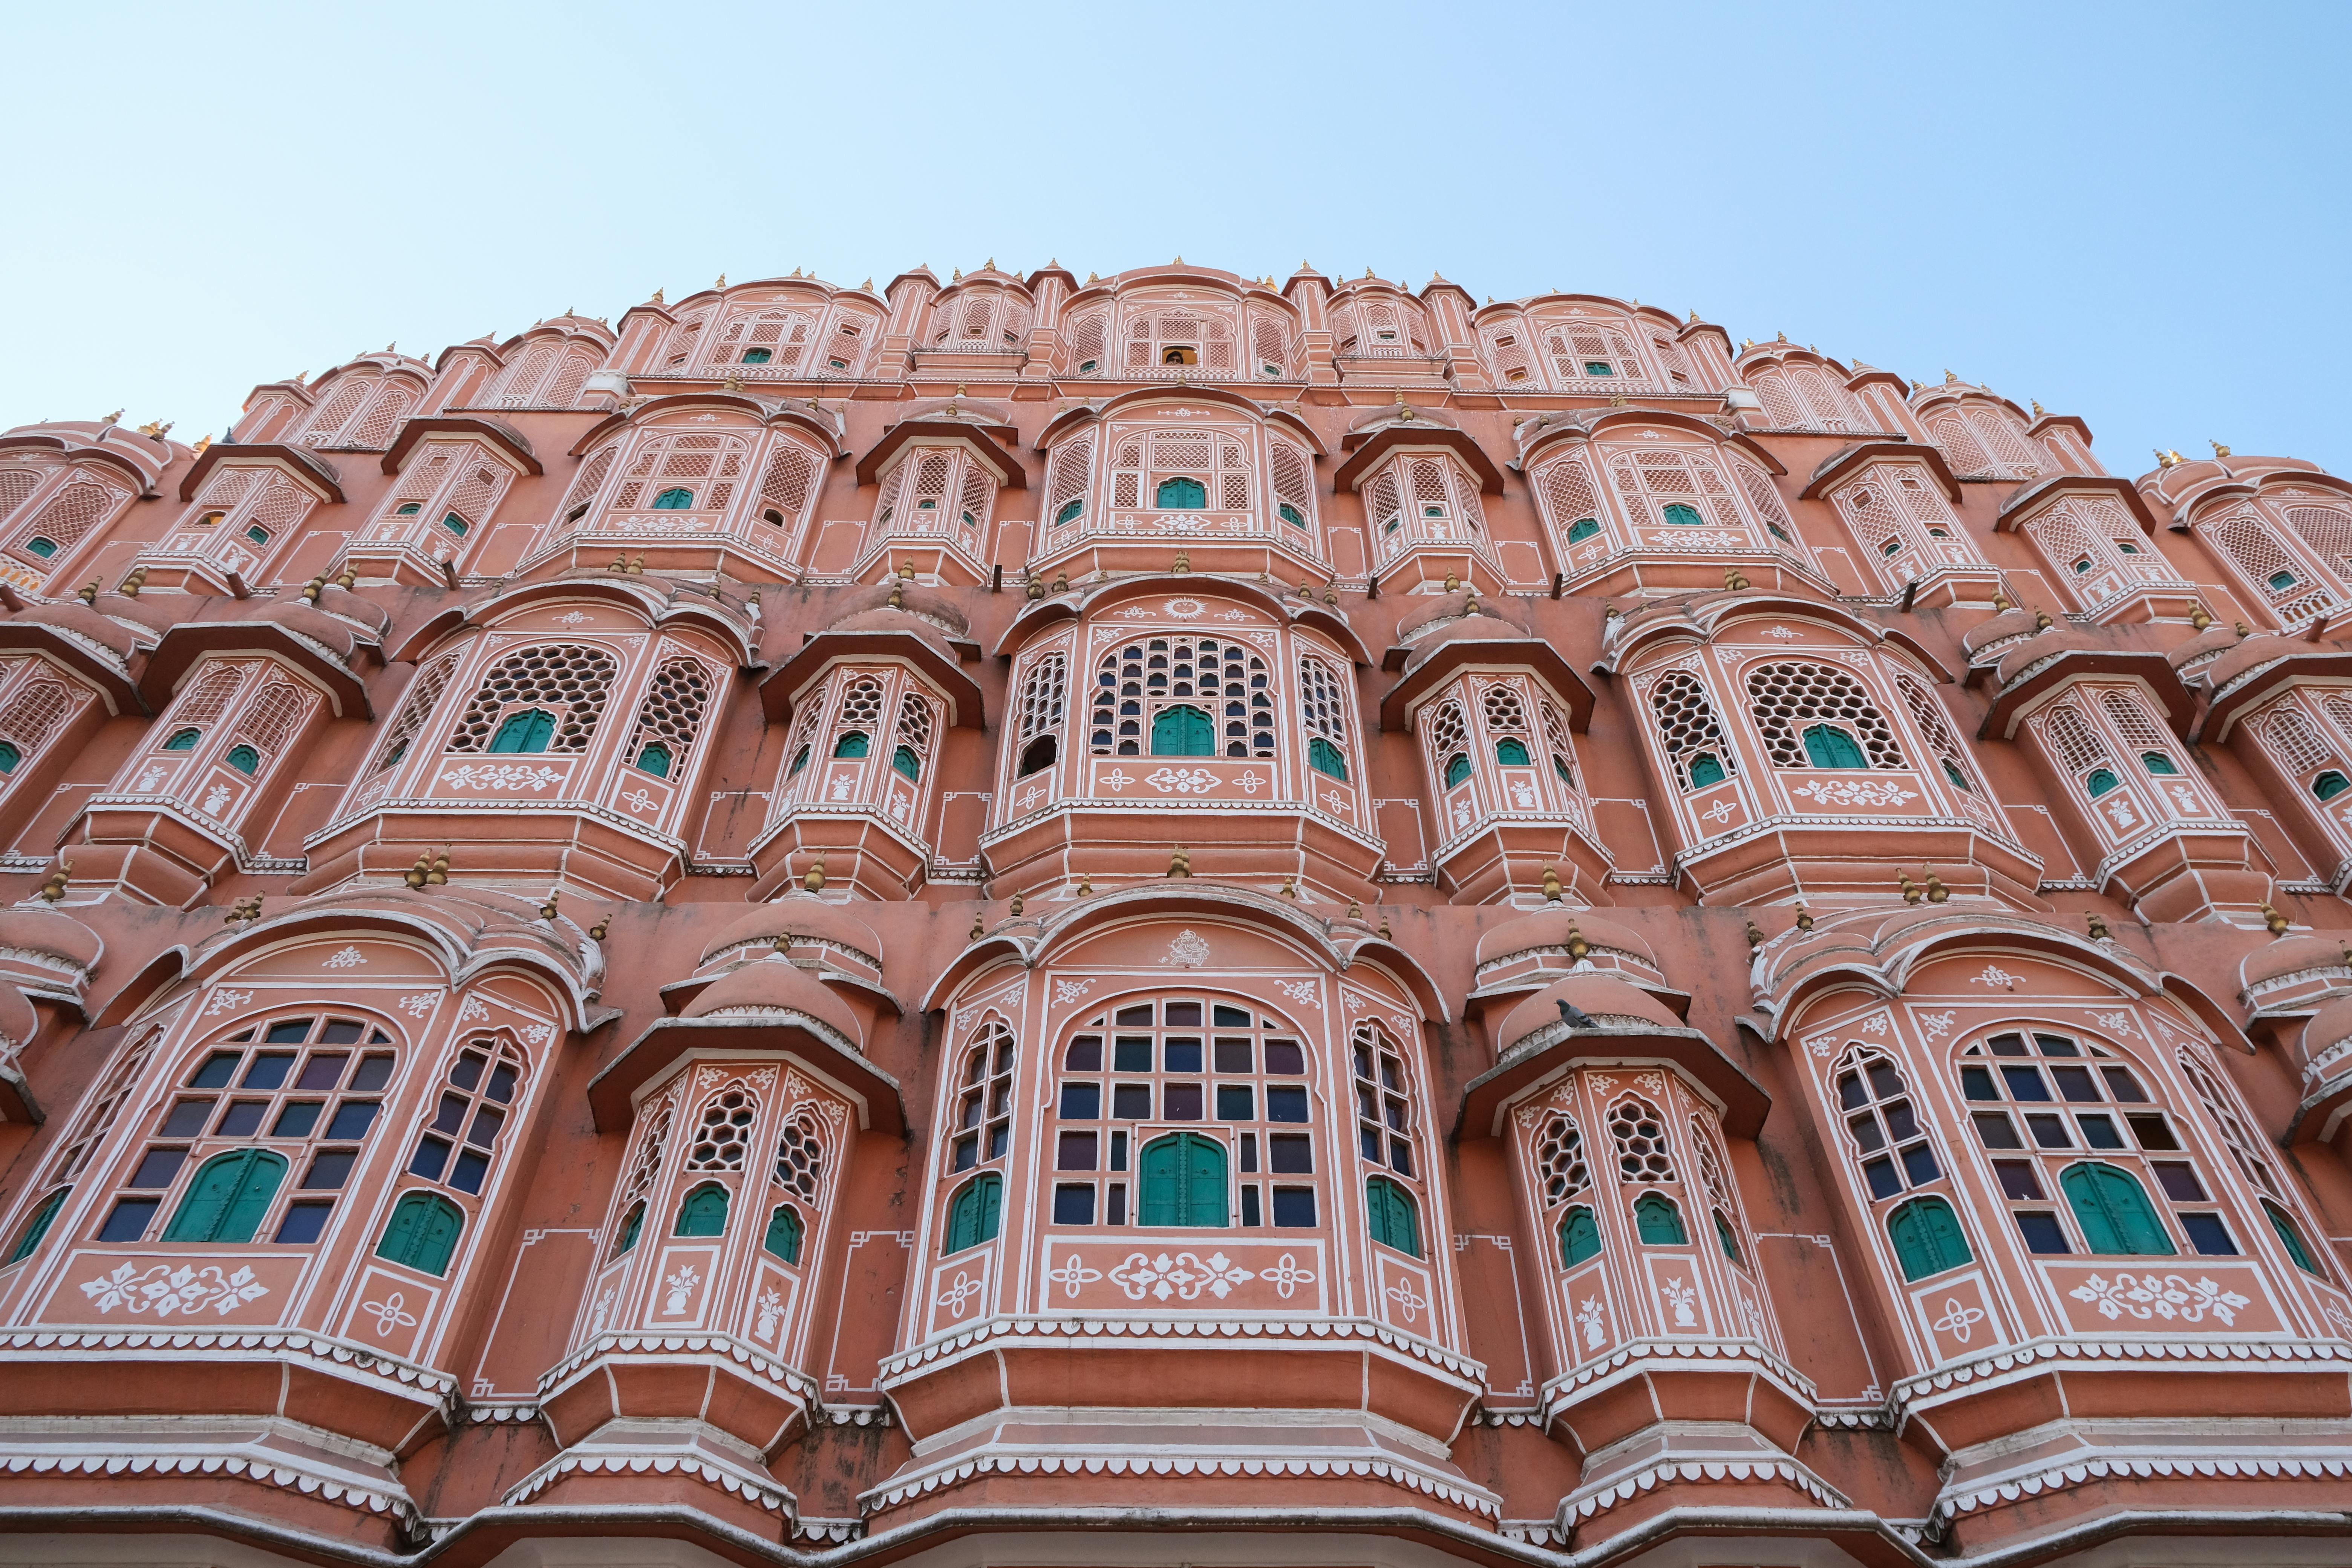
x=654 y=760
x=1325 y=719
x=244 y=759
x=1658 y=1222
x=1394 y=1218
x=652 y=1127
x=1818 y=715
x=477 y=1101
x=310 y=1088
x=1926 y=1238
x=37 y=1226
x=1687 y=727
x=1181 y=494
x=982 y=1129
x=1182 y=470
x=976 y=1213
x=1929 y=716
x=1067 y=476
x=528 y=731
x=1136 y=687
x=1511 y=752
x=1183 y=1183
x=1041 y=715
x=674 y=499
x=423 y=1232
x=1579 y=1236
x=183 y=740
x=914 y=736
x=229 y=1198
x=704 y=1211
x=853 y=744
x=565 y=683
x=1889 y=1137
x=631 y=1225
x=784 y=1232
x=1383 y=1100
x=672 y=716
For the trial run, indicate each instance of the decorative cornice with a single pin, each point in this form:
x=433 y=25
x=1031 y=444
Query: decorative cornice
x=1642 y=1356
x=798 y=1383
x=2036 y=1357
x=726 y=1477
x=2066 y=1475
x=440 y=1387
x=1208 y=1329
x=1576 y=1508
x=1397 y=1472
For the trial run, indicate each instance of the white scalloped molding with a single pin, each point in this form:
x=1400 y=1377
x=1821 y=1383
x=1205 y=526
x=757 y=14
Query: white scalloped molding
x=952 y=1346
x=803 y=1386
x=2085 y=1354
x=1574 y=1509
x=374 y=1364
x=2064 y=1477
x=1636 y=1354
x=741 y=1483
x=953 y=1475
x=275 y=1471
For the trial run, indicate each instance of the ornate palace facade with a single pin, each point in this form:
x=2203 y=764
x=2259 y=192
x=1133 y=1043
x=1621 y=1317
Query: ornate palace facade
x=1169 y=920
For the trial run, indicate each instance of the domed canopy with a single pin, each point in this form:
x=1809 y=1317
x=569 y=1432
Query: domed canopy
x=1534 y=951
x=51 y=934
x=1432 y=611
x=763 y=987
x=1592 y=1018
x=806 y=919
x=1610 y=1003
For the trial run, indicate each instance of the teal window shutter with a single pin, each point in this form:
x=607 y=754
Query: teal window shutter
x=1579 y=1236
x=528 y=731
x=800 y=760
x=1682 y=516
x=1705 y=769
x=2282 y=580
x=1183 y=732
x=704 y=1213
x=1181 y=495
x=972 y=1217
x=904 y=761
x=674 y=501
x=1658 y=1222
x=783 y=1237
x=2330 y=784
x=1321 y=755
x=654 y=760
x=2158 y=762
x=629 y=1229
x=1291 y=514
x=42 y=546
x=1511 y=753
x=1395 y=1218
x=1952 y=771
x=43 y=1217
x=244 y=759
x=1184 y=1181
x=1070 y=509
x=1827 y=746
x=758 y=356
x=409 y=510
x=455 y=524
x=1926 y=1238
x=1458 y=768
x=1582 y=529
x=228 y=1198
x=1730 y=1243
x=183 y=741
x=10 y=757
x=2289 y=1238
x=853 y=744
x=2113 y=1210
x=423 y=1232
x=2100 y=781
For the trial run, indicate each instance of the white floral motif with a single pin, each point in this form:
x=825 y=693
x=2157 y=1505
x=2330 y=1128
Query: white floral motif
x=1183 y=1276
x=1285 y=1275
x=678 y=1288
x=1034 y=793
x=571 y=618
x=1301 y=991
x=963 y=1289
x=1680 y=1295
x=1071 y=990
x=472 y=1007
x=1185 y=609
x=1072 y=1275
x=1183 y=780
x=1994 y=974
x=163 y=1290
x=2114 y=1023
x=417 y=1006
x=603 y=1313
x=1595 y=1324
x=1821 y=1045
x=1189 y=949
x=1936 y=1025
x=1957 y=1320
x=2120 y=812
x=391 y=1314
x=1782 y=633
x=149 y=780
x=1875 y=1025
x=539 y=1034
x=1404 y=1294
x=1855 y=792
x=349 y=958
x=1250 y=784
x=214 y=799
x=1117 y=780
x=501 y=775
x=2168 y=1296
x=772 y=1312
x=226 y=1000
x=2184 y=800
x=637 y=800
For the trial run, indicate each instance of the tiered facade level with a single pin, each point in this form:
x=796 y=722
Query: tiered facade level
x=1170 y=920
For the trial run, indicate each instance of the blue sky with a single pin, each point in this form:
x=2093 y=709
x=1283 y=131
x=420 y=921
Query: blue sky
x=2136 y=214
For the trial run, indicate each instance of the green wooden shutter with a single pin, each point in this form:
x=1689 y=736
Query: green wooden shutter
x=1511 y=753
x=1182 y=732
x=783 y=1237
x=1926 y=1238
x=1580 y=1237
x=228 y=1198
x=629 y=1228
x=1327 y=759
x=1395 y=1220
x=1181 y=495
x=853 y=744
x=1458 y=768
x=423 y=1232
x=1184 y=1181
x=992 y=1206
x=704 y=1213
x=2113 y=1212
x=48 y=1213
x=972 y=1219
x=2289 y=1238
x=528 y=732
x=1827 y=746
x=1159 y=1204
x=1723 y=1235
x=1659 y=1222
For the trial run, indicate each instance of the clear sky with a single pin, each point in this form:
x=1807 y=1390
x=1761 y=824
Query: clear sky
x=2133 y=212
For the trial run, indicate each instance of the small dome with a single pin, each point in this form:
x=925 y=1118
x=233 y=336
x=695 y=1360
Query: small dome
x=298 y=616
x=2060 y=638
x=1608 y=1001
x=50 y=934
x=18 y=1022
x=2290 y=955
x=2217 y=638
x=1548 y=928
x=803 y=916
x=2330 y=1027
x=74 y=616
x=919 y=603
x=2251 y=655
x=1432 y=612
x=2010 y=622
x=771 y=985
x=1470 y=629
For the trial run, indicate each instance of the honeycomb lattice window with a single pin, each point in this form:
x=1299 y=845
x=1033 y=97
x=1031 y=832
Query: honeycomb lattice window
x=590 y=478
x=649 y=1150
x=674 y=705
x=1294 y=481
x=861 y=709
x=1449 y=735
x=1505 y=714
x=2293 y=738
x=1066 y=482
x=1556 y=734
x=416 y=707
x=1788 y=699
x=1640 y=1134
x=1224 y=683
x=724 y=1133
x=1566 y=489
x=2339 y=714
x=788 y=480
x=16 y=484
x=1929 y=714
x=2135 y=723
x=1042 y=697
x=1319 y=702
x=2078 y=745
x=800 y=1157
x=1649 y=482
x=1216 y=460
x=2247 y=543
x=915 y=724
x=1710 y=1167
x=1686 y=724
x=571 y=681
x=1560 y=1160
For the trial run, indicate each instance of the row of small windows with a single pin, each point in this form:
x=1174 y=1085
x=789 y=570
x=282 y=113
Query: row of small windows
x=703 y=1213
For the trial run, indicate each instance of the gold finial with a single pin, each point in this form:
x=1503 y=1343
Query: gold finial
x=132 y=583
x=620 y=564
x=1937 y=892
x=2000 y=605
x=906 y=571
x=1609 y=611
x=1755 y=936
x=1452 y=583
x=2198 y=619
x=348 y=576
x=898 y=595
x=2097 y=926
x=1579 y=948
x=1949 y=378
x=1912 y=892
x=603 y=924
x=1355 y=909
x=2241 y=630
x=1091 y=278
x=311 y=590
x=814 y=880
x=657 y=297
x=958 y=276
x=547 y=909
x=722 y=281
x=1694 y=320
x=2041 y=621
x=1919 y=386
x=1386 y=934
x=2274 y=921
x=1332 y=592
x=1781 y=338
x=203 y=443
x=1804 y=918
x=979 y=928
x=1183 y=561
x=90 y=592
x=1085 y=879
x=59 y=880
x=2219 y=450
x=2038 y=410
x=1551 y=888
x=439 y=875
x=1061 y=581
x=2162 y=461
x=114 y=418
x=2177 y=458
x=1036 y=589
x=1017 y=903
x=1290 y=888
x=733 y=383
x=415 y=874
x=1179 y=864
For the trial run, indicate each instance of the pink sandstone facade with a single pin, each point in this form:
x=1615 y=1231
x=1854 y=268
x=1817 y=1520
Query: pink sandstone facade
x=1170 y=920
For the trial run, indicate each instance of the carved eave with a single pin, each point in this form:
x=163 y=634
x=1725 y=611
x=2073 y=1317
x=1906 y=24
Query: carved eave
x=1959 y=392
x=2236 y=479
x=1535 y=435
x=141 y=477
x=486 y=347
x=1848 y=462
x=1417 y=436
x=826 y=427
x=1030 y=943
x=180 y=647
x=1084 y=601
x=2259 y=684
x=1702 y=616
x=656 y=599
x=2048 y=422
x=817 y=1046
x=1558 y=1047
x=1532 y=654
x=95 y=664
x=1436 y=286
x=562 y=327
x=2040 y=680
x=981 y=440
x=1870 y=375
x=2034 y=494
x=306 y=468
x=502 y=438
x=1305 y=274
x=782 y=685
x=1276 y=413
